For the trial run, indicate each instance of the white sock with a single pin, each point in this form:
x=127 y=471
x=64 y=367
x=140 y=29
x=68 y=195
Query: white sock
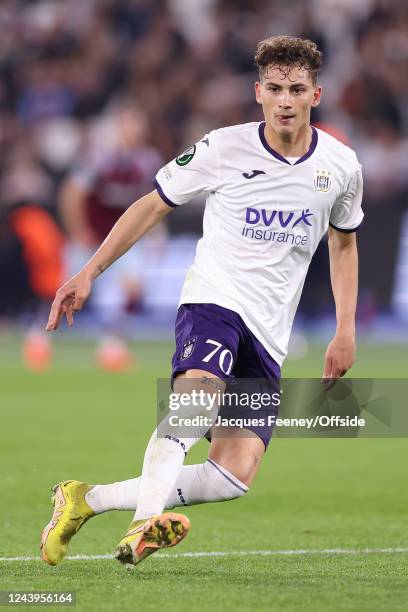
x=163 y=460
x=165 y=454
x=196 y=484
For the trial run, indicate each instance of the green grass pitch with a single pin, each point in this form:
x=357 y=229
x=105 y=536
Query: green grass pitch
x=310 y=495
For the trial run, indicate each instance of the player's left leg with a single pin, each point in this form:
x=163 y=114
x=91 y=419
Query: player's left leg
x=71 y=511
x=198 y=483
x=233 y=461
x=238 y=452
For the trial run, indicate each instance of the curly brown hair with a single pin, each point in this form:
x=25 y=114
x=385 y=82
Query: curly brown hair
x=287 y=52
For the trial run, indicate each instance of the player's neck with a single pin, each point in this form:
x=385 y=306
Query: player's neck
x=289 y=145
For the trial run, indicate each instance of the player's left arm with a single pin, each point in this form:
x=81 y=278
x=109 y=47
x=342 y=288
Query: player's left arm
x=343 y=256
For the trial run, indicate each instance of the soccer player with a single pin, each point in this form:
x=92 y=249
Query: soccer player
x=273 y=190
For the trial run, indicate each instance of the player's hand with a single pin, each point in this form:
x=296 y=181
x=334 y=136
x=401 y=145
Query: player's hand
x=338 y=359
x=69 y=299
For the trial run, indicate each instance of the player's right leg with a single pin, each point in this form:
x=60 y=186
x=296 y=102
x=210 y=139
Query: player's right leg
x=152 y=528
x=146 y=537
x=207 y=338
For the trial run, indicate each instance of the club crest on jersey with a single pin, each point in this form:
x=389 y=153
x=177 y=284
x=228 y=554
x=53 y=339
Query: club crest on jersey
x=186 y=156
x=322 y=181
x=188 y=348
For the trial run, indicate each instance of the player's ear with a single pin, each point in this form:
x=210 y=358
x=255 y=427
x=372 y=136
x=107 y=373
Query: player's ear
x=317 y=96
x=258 y=94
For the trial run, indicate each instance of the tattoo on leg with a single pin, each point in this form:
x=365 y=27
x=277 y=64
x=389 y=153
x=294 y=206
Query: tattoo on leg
x=214 y=382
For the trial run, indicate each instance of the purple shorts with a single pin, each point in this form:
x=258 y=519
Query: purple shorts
x=216 y=339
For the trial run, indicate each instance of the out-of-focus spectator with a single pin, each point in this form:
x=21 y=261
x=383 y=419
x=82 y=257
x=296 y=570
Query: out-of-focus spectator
x=116 y=171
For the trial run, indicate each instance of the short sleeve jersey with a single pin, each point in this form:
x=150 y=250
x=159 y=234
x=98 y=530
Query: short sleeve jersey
x=263 y=220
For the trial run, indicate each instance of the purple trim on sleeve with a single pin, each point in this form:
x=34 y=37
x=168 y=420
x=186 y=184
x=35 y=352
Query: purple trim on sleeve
x=345 y=231
x=163 y=195
x=304 y=157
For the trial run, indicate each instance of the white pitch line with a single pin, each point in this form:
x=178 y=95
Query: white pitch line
x=238 y=553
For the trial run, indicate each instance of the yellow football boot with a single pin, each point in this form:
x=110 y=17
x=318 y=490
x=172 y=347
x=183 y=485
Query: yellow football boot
x=70 y=512
x=143 y=538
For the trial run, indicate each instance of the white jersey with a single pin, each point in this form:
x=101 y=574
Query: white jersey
x=263 y=220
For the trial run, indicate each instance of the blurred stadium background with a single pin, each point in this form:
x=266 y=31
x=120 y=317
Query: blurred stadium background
x=75 y=76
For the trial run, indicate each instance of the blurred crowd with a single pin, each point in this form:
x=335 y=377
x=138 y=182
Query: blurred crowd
x=69 y=69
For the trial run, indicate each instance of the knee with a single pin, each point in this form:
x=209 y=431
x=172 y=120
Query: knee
x=243 y=478
x=241 y=456
x=242 y=467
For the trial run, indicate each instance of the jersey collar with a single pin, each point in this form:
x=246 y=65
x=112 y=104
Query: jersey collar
x=304 y=157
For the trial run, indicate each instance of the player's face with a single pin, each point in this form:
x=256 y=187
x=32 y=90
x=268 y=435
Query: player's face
x=287 y=97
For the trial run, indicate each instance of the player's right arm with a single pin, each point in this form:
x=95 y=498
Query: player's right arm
x=141 y=216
